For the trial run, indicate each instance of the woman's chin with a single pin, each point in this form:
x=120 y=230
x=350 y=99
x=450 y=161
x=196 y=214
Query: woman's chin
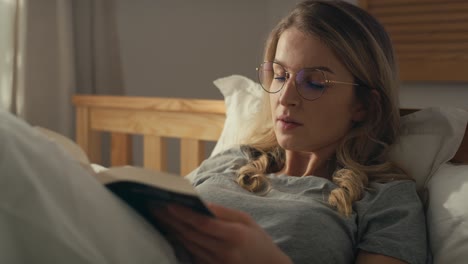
x=291 y=144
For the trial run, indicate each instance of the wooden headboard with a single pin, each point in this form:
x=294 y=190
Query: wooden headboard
x=193 y=121
x=430 y=36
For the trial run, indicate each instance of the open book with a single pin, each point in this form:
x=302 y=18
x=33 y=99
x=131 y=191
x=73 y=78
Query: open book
x=141 y=188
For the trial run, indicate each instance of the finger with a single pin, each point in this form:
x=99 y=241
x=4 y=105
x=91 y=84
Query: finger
x=225 y=232
x=199 y=254
x=192 y=235
x=202 y=248
x=187 y=230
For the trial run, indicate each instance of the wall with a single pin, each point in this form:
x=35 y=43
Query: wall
x=178 y=47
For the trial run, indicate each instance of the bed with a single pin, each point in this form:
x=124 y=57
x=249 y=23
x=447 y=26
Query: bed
x=432 y=157
x=433 y=151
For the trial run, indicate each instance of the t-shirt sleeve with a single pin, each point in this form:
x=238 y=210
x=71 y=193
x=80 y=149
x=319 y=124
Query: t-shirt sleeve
x=225 y=163
x=392 y=223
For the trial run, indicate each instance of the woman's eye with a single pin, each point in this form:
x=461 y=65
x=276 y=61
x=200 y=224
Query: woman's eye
x=280 y=78
x=315 y=85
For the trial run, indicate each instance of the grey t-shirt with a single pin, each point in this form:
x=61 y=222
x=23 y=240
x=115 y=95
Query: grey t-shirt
x=388 y=220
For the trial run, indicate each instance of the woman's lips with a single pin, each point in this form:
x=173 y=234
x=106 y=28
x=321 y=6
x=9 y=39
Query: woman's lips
x=287 y=123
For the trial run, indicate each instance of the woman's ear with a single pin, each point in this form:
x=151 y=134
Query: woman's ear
x=360 y=110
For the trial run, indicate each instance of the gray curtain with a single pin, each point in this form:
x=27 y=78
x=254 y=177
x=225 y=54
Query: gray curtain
x=97 y=51
x=62 y=47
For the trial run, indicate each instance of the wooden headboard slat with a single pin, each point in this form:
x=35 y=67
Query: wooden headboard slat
x=155 y=153
x=430 y=37
x=405 y=37
x=404 y=3
x=415 y=70
x=431 y=28
x=411 y=46
x=436 y=8
x=203 y=126
x=422 y=18
x=155 y=103
x=121 y=149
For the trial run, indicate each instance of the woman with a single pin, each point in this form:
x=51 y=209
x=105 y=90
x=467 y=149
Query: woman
x=318 y=186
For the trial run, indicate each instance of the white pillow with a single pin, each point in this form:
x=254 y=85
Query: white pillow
x=447 y=214
x=242 y=100
x=429 y=137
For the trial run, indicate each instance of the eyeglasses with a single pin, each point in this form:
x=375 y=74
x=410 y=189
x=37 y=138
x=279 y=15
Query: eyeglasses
x=310 y=82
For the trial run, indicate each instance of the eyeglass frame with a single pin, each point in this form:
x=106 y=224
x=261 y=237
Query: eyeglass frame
x=288 y=75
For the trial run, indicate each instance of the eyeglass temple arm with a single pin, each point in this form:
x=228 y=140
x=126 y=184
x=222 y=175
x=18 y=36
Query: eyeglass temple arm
x=355 y=84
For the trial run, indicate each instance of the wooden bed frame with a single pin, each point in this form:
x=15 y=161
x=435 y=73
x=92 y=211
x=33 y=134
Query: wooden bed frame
x=193 y=121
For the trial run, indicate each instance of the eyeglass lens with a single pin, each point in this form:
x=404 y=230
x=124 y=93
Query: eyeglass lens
x=310 y=83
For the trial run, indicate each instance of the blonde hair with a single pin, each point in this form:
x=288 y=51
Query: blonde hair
x=363 y=46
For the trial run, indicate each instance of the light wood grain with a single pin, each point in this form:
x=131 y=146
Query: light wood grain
x=151 y=104
x=86 y=138
x=193 y=121
x=364 y=4
x=405 y=3
x=121 y=149
x=430 y=36
x=416 y=70
x=431 y=28
x=411 y=47
x=438 y=8
x=154 y=153
x=419 y=17
x=204 y=126
x=423 y=33
x=192 y=153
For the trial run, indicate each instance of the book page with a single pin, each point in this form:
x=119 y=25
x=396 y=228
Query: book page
x=159 y=179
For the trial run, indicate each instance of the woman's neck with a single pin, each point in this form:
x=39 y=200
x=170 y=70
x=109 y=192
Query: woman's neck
x=320 y=164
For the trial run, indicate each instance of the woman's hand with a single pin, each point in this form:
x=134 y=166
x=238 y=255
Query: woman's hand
x=231 y=237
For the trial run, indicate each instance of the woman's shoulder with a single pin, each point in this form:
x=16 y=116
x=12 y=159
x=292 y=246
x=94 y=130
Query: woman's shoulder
x=392 y=186
x=394 y=194
x=225 y=162
x=390 y=220
x=231 y=158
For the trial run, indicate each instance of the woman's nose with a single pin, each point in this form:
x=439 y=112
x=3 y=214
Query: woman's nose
x=288 y=94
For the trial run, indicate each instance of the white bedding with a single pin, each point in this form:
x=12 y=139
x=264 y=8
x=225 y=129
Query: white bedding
x=53 y=211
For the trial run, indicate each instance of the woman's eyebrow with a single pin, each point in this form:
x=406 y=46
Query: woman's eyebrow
x=322 y=68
